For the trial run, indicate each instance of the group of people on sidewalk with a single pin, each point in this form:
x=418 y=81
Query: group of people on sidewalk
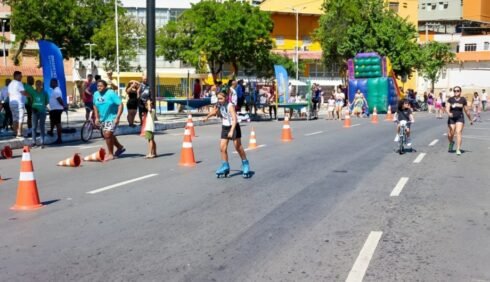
x=32 y=100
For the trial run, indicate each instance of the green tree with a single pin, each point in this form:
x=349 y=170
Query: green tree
x=105 y=38
x=349 y=27
x=214 y=34
x=435 y=56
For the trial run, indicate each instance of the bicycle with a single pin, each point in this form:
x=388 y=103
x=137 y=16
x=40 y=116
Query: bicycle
x=88 y=129
x=402 y=139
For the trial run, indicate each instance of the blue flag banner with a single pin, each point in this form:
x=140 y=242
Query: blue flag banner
x=52 y=64
x=282 y=83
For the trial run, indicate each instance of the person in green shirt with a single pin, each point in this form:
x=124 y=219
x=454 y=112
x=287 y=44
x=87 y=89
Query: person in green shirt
x=29 y=87
x=40 y=100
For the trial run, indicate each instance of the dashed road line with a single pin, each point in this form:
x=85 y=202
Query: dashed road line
x=121 y=184
x=314 y=133
x=419 y=158
x=399 y=187
x=357 y=124
x=433 y=142
x=359 y=268
x=251 y=149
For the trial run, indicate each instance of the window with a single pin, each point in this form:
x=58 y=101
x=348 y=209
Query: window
x=394 y=6
x=306 y=40
x=470 y=47
x=279 y=40
x=319 y=70
x=486 y=46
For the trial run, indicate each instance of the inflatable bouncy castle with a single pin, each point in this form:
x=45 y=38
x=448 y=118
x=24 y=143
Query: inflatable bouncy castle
x=374 y=77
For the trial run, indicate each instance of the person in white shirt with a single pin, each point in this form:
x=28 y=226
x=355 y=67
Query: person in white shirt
x=484 y=98
x=56 y=108
x=16 y=102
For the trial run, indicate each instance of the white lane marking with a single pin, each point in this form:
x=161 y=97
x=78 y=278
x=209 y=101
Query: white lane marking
x=434 y=142
x=314 y=133
x=481 y=138
x=357 y=124
x=121 y=183
x=399 y=187
x=359 y=268
x=478 y=128
x=419 y=158
x=445 y=134
x=89 y=147
x=250 y=149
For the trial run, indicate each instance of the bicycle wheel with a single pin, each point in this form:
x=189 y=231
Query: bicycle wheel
x=402 y=142
x=87 y=130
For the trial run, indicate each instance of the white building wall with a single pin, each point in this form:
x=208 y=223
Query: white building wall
x=482 y=42
x=471 y=76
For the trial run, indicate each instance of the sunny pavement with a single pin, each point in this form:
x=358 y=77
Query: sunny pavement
x=305 y=215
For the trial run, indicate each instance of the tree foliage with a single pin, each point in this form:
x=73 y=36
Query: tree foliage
x=68 y=23
x=264 y=67
x=214 y=34
x=349 y=27
x=435 y=56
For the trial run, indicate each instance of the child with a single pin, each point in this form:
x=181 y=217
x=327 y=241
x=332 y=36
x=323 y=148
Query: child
x=149 y=131
x=404 y=112
x=230 y=130
x=331 y=107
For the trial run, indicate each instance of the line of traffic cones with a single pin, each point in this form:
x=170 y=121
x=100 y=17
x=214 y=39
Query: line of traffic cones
x=96 y=157
x=74 y=161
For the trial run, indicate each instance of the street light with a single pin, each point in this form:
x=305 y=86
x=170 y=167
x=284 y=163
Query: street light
x=4 y=39
x=297 y=38
x=117 y=46
x=90 y=52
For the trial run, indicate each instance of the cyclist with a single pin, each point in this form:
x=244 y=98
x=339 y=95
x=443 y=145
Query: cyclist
x=454 y=108
x=404 y=112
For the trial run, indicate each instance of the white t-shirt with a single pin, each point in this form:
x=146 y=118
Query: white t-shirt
x=444 y=96
x=15 y=88
x=4 y=93
x=54 y=104
x=226 y=115
x=234 y=97
x=484 y=96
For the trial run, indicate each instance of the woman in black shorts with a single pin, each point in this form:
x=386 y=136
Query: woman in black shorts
x=455 y=107
x=132 y=104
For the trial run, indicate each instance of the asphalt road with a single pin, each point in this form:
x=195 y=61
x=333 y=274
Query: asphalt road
x=335 y=204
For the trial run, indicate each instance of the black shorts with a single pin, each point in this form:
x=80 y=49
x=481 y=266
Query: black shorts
x=226 y=129
x=55 y=116
x=444 y=105
x=132 y=104
x=455 y=119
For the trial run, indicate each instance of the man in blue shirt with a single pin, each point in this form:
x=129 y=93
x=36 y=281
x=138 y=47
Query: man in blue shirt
x=108 y=109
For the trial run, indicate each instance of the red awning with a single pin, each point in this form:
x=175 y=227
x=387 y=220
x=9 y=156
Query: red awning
x=9 y=71
x=303 y=55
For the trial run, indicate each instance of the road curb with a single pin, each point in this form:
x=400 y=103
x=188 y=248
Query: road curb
x=121 y=130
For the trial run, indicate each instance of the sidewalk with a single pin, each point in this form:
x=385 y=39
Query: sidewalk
x=76 y=119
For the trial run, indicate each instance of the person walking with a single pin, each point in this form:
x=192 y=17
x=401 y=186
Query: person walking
x=29 y=87
x=438 y=106
x=56 y=108
x=88 y=96
x=108 y=109
x=484 y=98
x=476 y=105
x=40 y=100
x=16 y=103
x=339 y=102
x=4 y=99
x=143 y=97
x=150 y=131
x=455 y=107
x=112 y=82
x=230 y=130
x=132 y=104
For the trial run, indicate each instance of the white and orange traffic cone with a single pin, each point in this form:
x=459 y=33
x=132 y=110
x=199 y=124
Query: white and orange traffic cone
x=374 y=117
x=27 y=195
x=74 y=161
x=190 y=125
x=96 y=157
x=287 y=135
x=389 y=115
x=187 y=153
x=252 y=144
x=347 y=120
x=7 y=152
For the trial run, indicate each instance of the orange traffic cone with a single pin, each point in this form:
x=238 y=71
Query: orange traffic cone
x=7 y=152
x=190 y=125
x=187 y=153
x=143 y=125
x=389 y=115
x=287 y=136
x=347 y=121
x=27 y=195
x=252 y=144
x=374 y=117
x=96 y=157
x=74 y=161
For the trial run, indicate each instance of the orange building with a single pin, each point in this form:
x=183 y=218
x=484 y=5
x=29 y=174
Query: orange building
x=476 y=10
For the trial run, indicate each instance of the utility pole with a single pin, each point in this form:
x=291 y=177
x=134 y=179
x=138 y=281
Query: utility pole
x=117 y=48
x=4 y=39
x=150 y=42
x=427 y=25
x=90 y=55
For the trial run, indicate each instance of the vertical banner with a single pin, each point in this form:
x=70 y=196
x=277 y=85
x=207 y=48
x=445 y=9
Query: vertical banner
x=52 y=64
x=282 y=83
